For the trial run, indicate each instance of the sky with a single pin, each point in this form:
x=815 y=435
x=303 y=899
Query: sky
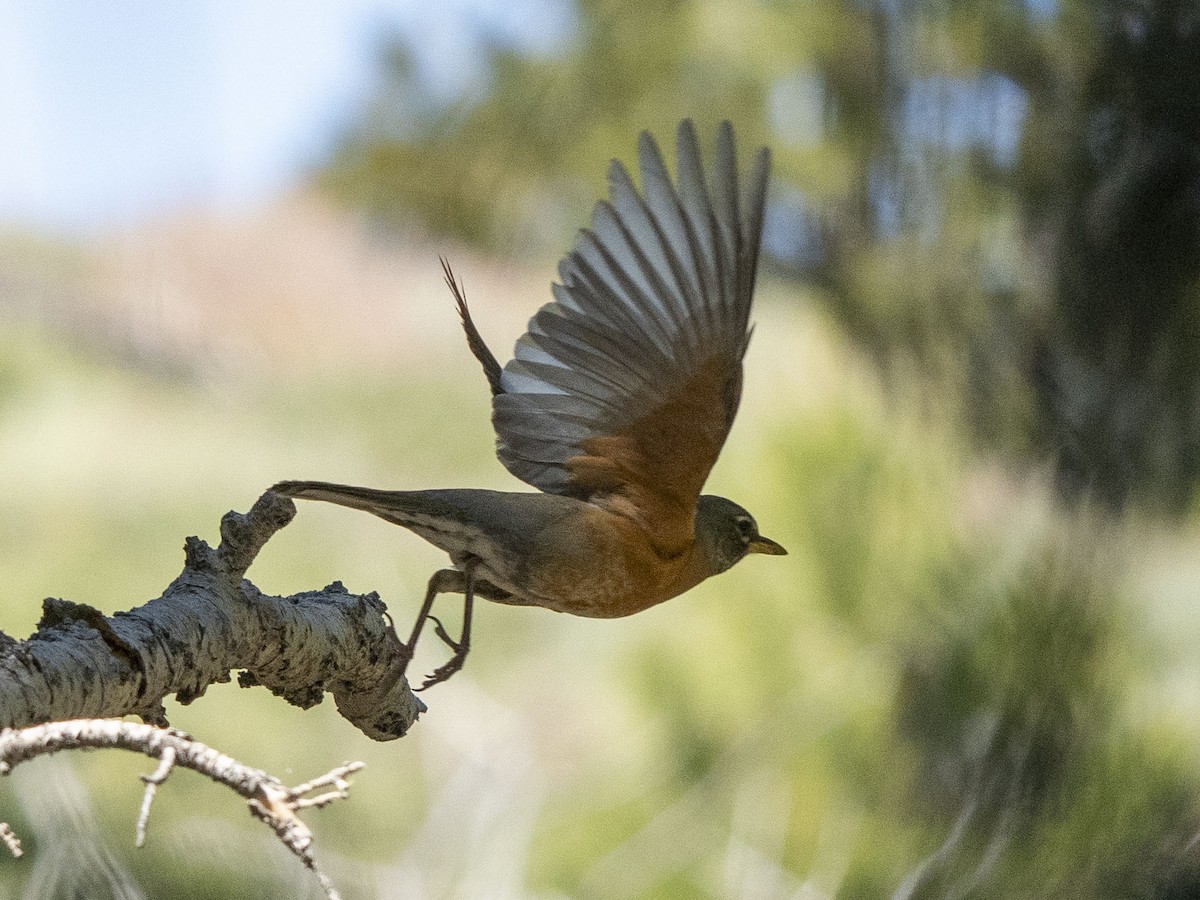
x=112 y=112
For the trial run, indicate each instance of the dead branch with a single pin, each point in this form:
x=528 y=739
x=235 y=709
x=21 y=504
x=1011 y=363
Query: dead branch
x=268 y=798
x=210 y=621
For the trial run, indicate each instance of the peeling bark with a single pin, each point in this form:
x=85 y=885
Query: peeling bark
x=208 y=622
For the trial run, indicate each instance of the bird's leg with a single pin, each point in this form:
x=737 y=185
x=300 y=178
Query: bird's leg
x=463 y=644
x=442 y=582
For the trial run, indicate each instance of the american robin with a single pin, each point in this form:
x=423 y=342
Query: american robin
x=615 y=407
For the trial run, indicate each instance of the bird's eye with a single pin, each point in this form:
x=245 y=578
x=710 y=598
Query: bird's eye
x=745 y=527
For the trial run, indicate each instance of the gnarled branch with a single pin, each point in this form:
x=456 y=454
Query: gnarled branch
x=207 y=623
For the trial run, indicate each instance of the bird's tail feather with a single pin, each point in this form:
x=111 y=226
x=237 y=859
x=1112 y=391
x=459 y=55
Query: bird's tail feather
x=381 y=503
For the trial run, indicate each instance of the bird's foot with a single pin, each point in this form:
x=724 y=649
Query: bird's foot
x=452 y=665
x=444 y=671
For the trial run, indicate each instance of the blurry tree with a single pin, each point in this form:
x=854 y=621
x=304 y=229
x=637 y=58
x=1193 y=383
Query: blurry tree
x=1000 y=202
x=1002 y=194
x=1118 y=200
x=516 y=164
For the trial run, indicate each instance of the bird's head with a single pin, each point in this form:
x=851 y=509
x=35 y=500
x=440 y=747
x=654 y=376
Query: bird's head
x=726 y=533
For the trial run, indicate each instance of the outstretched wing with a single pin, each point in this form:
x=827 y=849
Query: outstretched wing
x=624 y=388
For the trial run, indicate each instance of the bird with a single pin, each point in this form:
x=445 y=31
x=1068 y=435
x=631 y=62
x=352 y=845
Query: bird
x=615 y=406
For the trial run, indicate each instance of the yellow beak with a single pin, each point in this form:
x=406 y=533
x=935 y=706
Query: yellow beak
x=765 y=545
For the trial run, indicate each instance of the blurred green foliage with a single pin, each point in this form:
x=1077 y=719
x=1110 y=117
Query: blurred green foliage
x=998 y=203
x=1001 y=194
x=970 y=416
x=944 y=689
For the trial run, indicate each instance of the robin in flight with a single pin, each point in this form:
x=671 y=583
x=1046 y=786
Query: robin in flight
x=615 y=406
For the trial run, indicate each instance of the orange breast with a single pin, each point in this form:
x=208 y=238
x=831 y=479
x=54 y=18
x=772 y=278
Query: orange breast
x=603 y=565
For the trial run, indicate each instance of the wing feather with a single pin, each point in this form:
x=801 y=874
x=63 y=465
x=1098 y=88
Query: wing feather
x=625 y=386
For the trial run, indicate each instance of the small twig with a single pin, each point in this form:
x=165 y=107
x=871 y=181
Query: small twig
x=336 y=777
x=165 y=764
x=268 y=798
x=11 y=841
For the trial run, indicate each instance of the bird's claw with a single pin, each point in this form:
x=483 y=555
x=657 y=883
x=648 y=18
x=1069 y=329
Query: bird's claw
x=440 y=631
x=444 y=671
x=452 y=665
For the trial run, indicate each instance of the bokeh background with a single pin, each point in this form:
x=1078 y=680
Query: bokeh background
x=972 y=414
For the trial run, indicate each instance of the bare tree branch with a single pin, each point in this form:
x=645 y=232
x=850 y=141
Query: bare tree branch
x=269 y=800
x=208 y=622
x=11 y=841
